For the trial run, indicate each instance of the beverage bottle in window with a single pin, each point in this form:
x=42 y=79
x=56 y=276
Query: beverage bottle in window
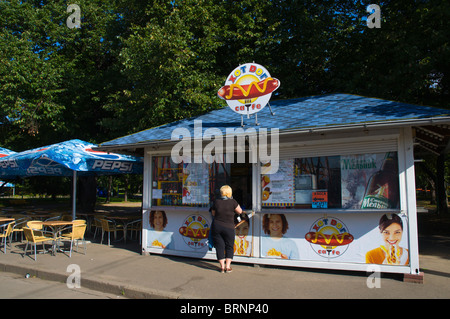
x=382 y=190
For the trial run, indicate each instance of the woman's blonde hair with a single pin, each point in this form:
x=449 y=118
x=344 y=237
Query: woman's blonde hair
x=225 y=190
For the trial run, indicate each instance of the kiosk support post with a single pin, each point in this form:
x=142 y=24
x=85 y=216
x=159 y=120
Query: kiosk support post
x=407 y=180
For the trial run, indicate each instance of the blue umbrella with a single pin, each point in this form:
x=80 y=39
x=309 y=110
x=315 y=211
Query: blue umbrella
x=6 y=184
x=62 y=159
x=69 y=158
x=5 y=152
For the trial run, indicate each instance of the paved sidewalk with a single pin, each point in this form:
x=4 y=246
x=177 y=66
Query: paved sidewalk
x=124 y=271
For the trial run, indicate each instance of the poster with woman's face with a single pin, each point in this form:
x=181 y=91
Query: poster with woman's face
x=355 y=238
x=274 y=243
x=178 y=231
x=392 y=248
x=158 y=236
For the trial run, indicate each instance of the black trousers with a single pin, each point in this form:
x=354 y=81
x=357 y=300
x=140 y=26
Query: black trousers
x=223 y=239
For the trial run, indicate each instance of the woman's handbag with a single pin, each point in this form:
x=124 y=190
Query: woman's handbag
x=240 y=218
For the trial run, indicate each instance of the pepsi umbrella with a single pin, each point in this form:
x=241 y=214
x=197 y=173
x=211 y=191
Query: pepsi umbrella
x=6 y=184
x=69 y=158
x=5 y=152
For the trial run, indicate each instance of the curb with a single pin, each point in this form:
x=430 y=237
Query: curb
x=130 y=292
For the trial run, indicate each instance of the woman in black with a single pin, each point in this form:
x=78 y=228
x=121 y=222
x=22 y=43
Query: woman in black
x=223 y=227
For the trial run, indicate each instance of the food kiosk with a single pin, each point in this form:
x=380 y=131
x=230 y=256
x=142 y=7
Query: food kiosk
x=342 y=195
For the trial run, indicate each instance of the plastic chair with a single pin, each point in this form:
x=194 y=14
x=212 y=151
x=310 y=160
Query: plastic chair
x=66 y=218
x=54 y=217
x=97 y=224
x=7 y=233
x=77 y=233
x=69 y=228
x=109 y=226
x=33 y=238
x=36 y=226
x=21 y=222
x=135 y=226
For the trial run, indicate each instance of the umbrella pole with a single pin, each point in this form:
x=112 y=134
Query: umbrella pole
x=74 y=198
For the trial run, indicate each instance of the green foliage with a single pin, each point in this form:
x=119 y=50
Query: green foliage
x=405 y=60
x=54 y=80
x=138 y=64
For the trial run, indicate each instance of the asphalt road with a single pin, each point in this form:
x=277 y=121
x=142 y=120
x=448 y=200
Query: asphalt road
x=13 y=286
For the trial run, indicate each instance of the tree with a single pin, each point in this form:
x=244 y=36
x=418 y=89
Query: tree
x=404 y=60
x=169 y=64
x=54 y=80
x=134 y=65
x=29 y=80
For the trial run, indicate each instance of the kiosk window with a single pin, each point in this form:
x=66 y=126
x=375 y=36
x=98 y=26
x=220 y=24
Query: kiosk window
x=167 y=188
x=370 y=181
x=317 y=182
x=186 y=184
x=362 y=181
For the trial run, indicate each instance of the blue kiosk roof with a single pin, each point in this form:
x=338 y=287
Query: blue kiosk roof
x=331 y=111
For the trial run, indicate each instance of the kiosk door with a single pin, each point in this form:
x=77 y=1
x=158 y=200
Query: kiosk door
x=241 y=184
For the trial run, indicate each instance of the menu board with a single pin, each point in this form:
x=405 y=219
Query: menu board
x=278 y=188
x=195 y=183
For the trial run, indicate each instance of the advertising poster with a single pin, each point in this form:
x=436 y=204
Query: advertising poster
x=195 y=183
x=357 y=238
x=370 y=181
x=179 y=231
x=276 y=241
x=365 y=238
x=243 y=241
x=190 y=233
x=159 y=236
x=319 y=199
x=278 y=188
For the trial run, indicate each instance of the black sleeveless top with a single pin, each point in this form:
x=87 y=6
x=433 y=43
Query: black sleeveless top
x=224 y=209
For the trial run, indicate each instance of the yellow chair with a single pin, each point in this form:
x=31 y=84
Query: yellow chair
x=135 y=226
x=97 y=224
x=33 y=238
x=66 y=217
x=109 y=226
x=7 y=233
x=21 y=221
x=77 y=233
x=36 y=226
x=53 y=217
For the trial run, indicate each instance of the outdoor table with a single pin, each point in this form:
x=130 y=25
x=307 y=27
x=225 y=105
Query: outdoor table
x=123 y=220
x=3 y=220
x=39 y=216
x=56 y=226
